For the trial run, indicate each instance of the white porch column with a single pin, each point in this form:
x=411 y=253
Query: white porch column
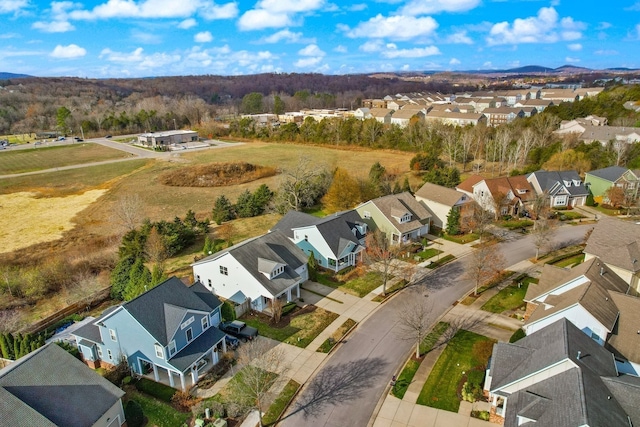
x=171 y=381
x=182 y=384
x=288 y=294
x=194 y=376
x=298 y=291
x=156 y=376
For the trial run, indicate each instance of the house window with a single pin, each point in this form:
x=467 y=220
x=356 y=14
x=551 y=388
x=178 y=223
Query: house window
x=223 y=270
x=189 y=335
x=172 y=348
x=198 y=278
x=209 y=282
x=366 y=214
x=159 y=351
x=405 y=218
x=560 y=201
x=100 y=352
x=205 y=322
x=112 y=334
x=109 y=355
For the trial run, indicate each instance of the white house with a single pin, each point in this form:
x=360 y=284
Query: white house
x=440 y=200
x=258 y=270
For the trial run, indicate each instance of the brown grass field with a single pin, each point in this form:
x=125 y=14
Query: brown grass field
x=44 y=157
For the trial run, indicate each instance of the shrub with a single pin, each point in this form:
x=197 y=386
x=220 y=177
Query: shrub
x=235 y=410
x=517 y=335
x=228 y=312
x=288 y=308
x=482 y=415
x=183 y=400
x=133 y=413
x=157 y=390
x=471 y=392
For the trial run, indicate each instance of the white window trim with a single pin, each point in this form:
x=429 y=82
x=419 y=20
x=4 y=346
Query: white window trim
x=186 y=334
x=204 y=322
x=112 y=335
x=99 y=349
x=172 y=348
x=159 y=351
x=224 y=271
x=109 y=354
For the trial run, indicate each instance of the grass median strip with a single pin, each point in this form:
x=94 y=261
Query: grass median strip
x=279 y=405
x=335 y=338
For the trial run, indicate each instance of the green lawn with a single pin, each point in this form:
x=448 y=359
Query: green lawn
x=44 y=157
x=363 y=285
x=461 y=238
x=508 y=298
x=281 y=402
x=515 y=223
x=160 y=414
x=429 y=341
x=456 y=361
x=329 y=343
x=428 y=253
x=569 y=215
x=301 y=330
x=405 y=378
x=445 y=259
x=327 y=279
x=571 y=261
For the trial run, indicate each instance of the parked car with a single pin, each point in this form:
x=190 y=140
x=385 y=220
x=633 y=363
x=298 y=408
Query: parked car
x=61 y=138
x=232 y=342
x=239 y=330
x=37 y=143
x=108 y=136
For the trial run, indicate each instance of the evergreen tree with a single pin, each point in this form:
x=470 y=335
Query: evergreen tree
x=209 y=246
x=139 y=280
x=261 y=197
x=10 y=346
x=222 y=210
x=190 y=220
x=406 y=186
x=453 y=221
x=313 y=267
x=17 y=342
x=245 y=205
x=120 y=277
x=4 y=347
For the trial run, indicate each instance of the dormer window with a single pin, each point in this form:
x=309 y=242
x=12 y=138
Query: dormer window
x=567 y=183
x=278 y=271
x=405 y=218
x=522 y=191
x=576 y=183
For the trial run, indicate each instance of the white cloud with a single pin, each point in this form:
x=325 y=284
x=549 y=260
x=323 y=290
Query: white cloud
x=68 y=52
x=460 y=37
x=109 y=55
x=311 y=50
x=139 y=59
x=542 y=28
x=11 y=6
x=276 y=13
x=606 y=52
x=603 y=26
x=454 y=61
x=287 y=37
x=372 y=46
x=203 y=37
x=340 y=49
x=53 y=26
x=397 y=27
x=416 y=52
x=571 y=60
x=258 y=19
x=635 y=33
x=307 y=62
x=357 y=7
x=634 y=7
x=487 y=64
x=290 y=6
x=156 y=9
x=187 y=23
x=425 y=7
x=575 y=47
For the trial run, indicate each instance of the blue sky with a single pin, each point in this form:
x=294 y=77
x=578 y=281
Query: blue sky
x=127 y=38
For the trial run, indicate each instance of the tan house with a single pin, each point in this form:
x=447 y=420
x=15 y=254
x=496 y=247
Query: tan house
x=440 y=200
x=382 y=115
x=457 y=119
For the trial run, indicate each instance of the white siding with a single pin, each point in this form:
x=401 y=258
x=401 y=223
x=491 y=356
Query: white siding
x=540 y=376
x=238 y=279
x=579 y=317
x=315 y=238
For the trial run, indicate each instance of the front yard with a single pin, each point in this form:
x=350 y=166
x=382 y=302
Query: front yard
x=299 y=328
x=358 y=286
x=464 y=359
x=510 y=297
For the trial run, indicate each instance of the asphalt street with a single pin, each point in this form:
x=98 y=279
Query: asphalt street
x=346 y=390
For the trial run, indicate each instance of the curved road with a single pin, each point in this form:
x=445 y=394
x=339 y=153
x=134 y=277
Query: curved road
x=346 y=390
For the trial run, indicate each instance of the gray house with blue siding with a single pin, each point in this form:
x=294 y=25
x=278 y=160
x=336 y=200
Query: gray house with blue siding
x=336 y=240
x=169 y=333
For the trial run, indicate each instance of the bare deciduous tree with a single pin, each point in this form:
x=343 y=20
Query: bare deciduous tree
x=381 y=256
x=543 y=230
x=155 y=247
x=276 y=309
x=486 y=263
x=414 y=322
x=264 y=367
x=478 y=220
x=129 y=212
x=302 y=185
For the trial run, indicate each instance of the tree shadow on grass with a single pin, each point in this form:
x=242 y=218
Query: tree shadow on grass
x=339 y=384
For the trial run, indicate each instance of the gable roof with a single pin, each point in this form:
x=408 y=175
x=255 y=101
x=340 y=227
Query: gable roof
x=548 y=181
x=593 y=295
x=336 y=229
x=439 y=194
x=274 y=246
x=467 y=184
x=399 y=204
x=616 y=242
x=161 y=309
x=612 y=173
x=624 y=339
x=575 y=396
x=504 y=185
x=49 y=387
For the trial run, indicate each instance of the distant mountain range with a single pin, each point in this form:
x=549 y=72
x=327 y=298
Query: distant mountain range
x=537 y=69
x=6 y=76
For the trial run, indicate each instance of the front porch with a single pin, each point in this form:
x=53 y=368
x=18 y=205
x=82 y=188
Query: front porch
x=187 y=366
x=290 y=295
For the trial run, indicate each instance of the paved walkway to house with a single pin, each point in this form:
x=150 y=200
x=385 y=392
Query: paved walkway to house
x=406 y=412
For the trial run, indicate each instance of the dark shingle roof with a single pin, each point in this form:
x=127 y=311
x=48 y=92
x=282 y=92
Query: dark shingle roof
x=548 y=182
x=196 y=349
x=616 y=242
x=612 y=173
x=161 y=309
x=274 y=246
x=50 y=387
x=626 y=390
x=624 y=339
x=295 y=219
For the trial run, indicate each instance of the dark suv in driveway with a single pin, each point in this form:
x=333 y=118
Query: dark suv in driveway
x=239 y=330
